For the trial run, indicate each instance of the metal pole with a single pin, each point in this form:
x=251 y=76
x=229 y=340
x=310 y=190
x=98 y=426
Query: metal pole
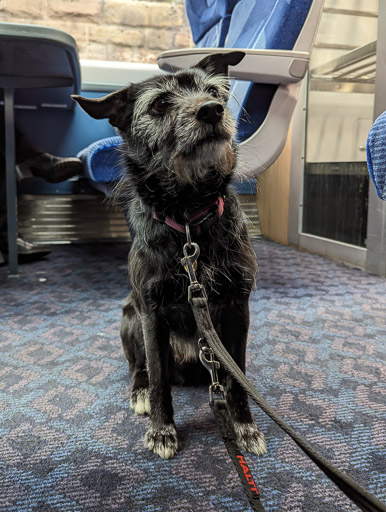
x=9 y=118
x=376 y=221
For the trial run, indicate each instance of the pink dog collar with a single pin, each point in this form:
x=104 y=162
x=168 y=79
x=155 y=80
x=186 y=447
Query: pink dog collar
x=198 y=220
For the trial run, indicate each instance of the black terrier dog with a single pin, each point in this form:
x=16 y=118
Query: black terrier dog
x=179 y=156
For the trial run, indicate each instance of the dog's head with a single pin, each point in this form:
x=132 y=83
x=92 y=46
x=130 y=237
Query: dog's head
x=178 y=124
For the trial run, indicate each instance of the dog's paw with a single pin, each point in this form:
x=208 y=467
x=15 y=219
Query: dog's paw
x=249 y=438
x=139 y=401
x=162 y=440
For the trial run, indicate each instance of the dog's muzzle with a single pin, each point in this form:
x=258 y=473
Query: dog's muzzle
x=210 y=112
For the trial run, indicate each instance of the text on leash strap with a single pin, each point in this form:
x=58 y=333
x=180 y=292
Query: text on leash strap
x=248 y=475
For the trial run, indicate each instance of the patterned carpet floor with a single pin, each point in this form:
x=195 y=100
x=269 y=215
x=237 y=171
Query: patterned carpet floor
x=70 y=443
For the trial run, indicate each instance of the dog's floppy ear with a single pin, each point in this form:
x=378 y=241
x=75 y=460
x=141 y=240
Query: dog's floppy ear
x=217 y=63
x=114 y=106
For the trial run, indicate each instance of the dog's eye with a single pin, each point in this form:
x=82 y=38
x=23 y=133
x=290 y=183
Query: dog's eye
x=213 y=92
x=160 y=106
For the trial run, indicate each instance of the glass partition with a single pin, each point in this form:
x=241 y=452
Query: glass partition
x=339 y=116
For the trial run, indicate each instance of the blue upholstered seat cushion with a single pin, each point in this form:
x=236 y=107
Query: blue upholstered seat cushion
x=101 y=160
x=376 y=155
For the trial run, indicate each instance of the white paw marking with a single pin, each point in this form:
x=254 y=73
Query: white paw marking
x=249 y=438
x=140 y=402
x=162 y=440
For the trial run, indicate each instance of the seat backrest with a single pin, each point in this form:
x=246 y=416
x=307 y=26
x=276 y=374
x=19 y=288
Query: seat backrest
x=41 y=64
x=252 y=24
x=272 y=24
x=209 y=21
x=376 y=155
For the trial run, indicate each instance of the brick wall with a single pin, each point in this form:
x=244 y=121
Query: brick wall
x=122 y=30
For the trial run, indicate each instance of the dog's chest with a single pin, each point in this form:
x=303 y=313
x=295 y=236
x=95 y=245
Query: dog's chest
x=184 y=349
x=219 y=282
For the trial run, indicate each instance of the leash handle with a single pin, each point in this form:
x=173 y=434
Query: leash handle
x=221 y=413
x=355 y=492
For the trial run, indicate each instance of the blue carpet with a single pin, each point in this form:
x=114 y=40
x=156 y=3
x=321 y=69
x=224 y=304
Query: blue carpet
x=70 y=443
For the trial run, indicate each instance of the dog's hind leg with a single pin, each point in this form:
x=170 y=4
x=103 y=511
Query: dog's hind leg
x=133 y=346
x=234 y=329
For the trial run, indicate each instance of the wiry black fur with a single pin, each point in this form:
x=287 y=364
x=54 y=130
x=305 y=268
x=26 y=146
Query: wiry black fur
x=173 y=170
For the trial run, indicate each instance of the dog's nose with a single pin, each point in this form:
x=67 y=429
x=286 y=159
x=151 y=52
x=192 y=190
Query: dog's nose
x=210 y=112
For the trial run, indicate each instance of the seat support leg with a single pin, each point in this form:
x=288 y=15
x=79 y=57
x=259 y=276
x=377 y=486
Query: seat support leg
x=10 y=162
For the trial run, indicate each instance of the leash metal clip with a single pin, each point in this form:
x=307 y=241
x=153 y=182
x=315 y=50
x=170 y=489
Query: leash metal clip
x=207 y=358
x=189 y=261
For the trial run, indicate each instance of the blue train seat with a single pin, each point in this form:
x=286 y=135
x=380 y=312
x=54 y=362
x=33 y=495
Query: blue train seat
x=42 y=69
x=277 y=36
x=376 y=155
x=39 y=71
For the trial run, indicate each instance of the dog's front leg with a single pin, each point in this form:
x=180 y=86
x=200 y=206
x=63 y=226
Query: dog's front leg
x=161 y=436
x=234 y=328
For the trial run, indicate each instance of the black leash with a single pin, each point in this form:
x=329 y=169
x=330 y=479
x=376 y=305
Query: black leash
x=221 y=412
x=199 y=303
